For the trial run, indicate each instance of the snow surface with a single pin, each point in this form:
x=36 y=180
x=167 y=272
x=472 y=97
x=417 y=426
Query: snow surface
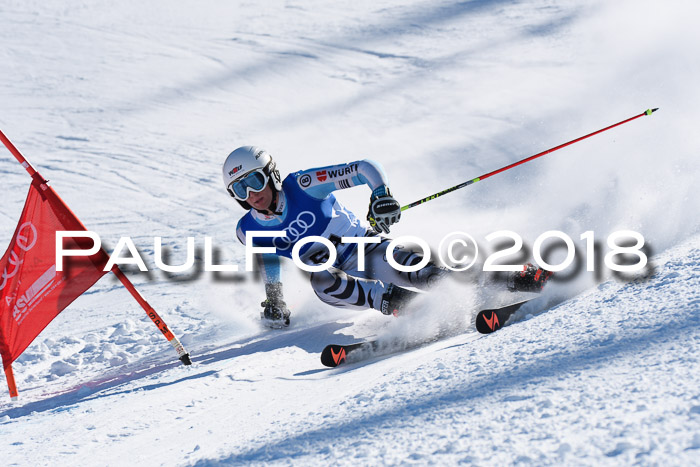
x=129 y=108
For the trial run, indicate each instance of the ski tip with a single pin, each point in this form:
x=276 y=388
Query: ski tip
x=651 y=111
x=333 y=355
x=487 y=322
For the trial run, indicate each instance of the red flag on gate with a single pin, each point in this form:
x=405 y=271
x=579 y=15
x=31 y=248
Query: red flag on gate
x=32 y=292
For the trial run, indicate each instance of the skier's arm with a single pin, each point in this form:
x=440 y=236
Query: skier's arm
x=321 y=181
x=384 y=210
x=269 y=265
x=275 y=309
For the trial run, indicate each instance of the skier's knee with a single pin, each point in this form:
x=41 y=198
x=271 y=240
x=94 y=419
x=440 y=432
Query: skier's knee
x=323 y=280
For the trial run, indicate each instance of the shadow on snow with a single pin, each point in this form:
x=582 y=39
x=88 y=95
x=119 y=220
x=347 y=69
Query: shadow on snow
x=309 y=339
x=369 y=426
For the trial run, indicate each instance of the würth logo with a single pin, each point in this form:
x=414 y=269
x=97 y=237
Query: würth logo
x=342 y=171
x=321 y=176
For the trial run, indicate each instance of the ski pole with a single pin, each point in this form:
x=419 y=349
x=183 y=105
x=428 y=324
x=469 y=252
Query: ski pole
x=527 y=159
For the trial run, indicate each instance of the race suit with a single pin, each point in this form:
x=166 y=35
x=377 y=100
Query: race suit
x=308 y=208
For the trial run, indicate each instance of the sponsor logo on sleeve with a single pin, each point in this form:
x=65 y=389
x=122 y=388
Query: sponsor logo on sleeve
x=321 y=175
x=341 y=172
x=305 y=180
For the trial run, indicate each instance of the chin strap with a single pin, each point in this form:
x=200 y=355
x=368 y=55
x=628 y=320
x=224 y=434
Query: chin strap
x=272 y=208
x=275 y=201
x=274 y=204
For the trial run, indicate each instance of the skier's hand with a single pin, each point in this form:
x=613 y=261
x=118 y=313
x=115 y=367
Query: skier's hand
x=530 y=279
x=275 y=315
x=384 y=210
x=275 y=312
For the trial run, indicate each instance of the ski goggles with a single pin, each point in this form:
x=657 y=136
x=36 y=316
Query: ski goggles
x=254 y=181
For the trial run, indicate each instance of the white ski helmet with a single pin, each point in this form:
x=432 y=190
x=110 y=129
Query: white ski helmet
x=243 y=161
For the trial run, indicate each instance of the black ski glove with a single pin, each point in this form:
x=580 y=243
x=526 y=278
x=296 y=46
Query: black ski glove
x=384 y=210
x=275 y=313
x=530 y=279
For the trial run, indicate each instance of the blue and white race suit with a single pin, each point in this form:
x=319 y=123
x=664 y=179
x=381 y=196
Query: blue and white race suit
x=308 y=207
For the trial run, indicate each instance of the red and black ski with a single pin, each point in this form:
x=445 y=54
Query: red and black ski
x=487 y=321
x=335 y=354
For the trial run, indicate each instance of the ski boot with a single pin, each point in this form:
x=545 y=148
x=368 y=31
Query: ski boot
x=275 y=313
x=530 y=279
x=395 y=299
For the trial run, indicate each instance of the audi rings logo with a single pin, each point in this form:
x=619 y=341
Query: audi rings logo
x=24 y=241
x=297 y=228
x=26 y=236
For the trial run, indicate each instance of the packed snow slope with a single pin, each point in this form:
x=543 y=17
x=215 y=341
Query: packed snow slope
x=130 y=108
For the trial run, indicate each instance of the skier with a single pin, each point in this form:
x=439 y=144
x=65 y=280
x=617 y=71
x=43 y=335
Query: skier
x=303 y=205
